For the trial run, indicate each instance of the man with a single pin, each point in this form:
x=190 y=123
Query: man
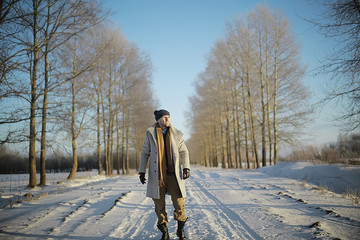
x=169 y=166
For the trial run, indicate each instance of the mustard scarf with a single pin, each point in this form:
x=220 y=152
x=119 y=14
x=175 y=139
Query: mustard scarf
x=166 y=164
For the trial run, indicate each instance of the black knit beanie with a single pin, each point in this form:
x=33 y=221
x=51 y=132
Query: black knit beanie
x=160 y=113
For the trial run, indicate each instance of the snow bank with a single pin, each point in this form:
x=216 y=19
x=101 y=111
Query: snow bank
x=338 y=178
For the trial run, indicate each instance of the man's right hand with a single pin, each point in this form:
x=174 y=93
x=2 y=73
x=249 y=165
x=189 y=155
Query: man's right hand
x=142 y=178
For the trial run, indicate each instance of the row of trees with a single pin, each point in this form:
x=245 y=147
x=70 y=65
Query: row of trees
x=250 y=96
x=64 y=71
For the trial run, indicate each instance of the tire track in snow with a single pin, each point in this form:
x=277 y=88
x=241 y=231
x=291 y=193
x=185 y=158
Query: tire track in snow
x=131 y=210
x=322 y=221
x=254 y=199
x=269 y=198
x=88 y=214
x=112 y=207
x=73 y=218
x=316 y=220
x=45 y=221
x=50 y=211
x=137 y=221
x=217 y=215
x=33 y=224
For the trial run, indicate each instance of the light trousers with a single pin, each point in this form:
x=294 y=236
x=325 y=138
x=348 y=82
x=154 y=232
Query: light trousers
x=172 y=188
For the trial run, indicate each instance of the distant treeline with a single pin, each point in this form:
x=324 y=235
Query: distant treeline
x=14 y=163
x=345 y=150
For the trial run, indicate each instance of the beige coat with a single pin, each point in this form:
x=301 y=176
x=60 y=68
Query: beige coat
x=180 y=159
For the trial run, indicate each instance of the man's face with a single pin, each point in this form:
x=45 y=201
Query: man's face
x=164 y=121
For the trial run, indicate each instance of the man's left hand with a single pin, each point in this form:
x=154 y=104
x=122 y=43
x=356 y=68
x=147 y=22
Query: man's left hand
x=186 y=173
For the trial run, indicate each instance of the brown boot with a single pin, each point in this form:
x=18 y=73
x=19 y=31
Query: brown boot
x=165 y=233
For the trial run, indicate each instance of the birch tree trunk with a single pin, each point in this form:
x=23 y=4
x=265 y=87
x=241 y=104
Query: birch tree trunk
x=35 y=62
x=43 y=124
x=228 y=143
x=127 y=138
x=98 y=135
x=118 y=136
x=268 y=121
x=255 y=156
x=263 y=109
x=223 y=143
x=73 y=130
x=275 y=112
x=44 y=108
x=246 y=130
x=123 y=137
x=236 y=136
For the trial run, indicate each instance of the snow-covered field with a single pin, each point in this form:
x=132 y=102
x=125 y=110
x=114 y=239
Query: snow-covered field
x=288 y=201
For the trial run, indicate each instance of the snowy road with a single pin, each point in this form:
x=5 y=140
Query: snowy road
x=221 y=204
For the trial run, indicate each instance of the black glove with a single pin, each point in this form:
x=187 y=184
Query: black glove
x=186 y=173
x=142 y=178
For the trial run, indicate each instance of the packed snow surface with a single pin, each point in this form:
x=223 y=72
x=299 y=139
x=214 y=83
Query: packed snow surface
x=287 y=201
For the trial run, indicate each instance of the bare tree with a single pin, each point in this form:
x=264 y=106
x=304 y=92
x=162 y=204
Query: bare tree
x=341 y=23
x=7 y=64
x=76 y=59
x=45 y=104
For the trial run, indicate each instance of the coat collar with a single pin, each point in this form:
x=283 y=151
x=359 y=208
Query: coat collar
x=177 y=134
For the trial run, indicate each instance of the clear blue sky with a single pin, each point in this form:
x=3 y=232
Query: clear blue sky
x=177 y=35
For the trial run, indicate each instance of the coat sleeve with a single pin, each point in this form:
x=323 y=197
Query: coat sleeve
x=145 y=153
x=184 y=154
